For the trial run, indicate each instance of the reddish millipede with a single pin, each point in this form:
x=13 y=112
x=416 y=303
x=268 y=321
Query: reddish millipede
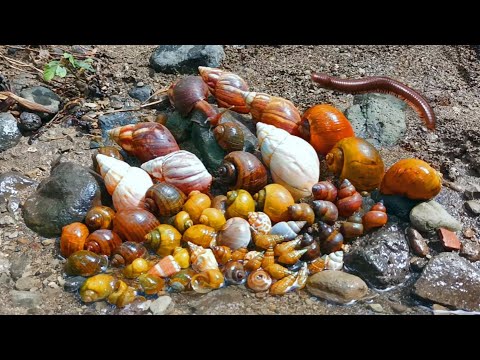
x=381 y=85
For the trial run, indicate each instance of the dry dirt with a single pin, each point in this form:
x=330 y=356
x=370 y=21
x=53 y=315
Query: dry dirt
x=448 y=76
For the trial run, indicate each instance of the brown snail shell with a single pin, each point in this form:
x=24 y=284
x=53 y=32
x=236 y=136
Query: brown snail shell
x=274 y=200
x=223 y=254
x=97 y=288
x=220 y=202
x=195 y=204
x=259 y=280
x=239 y=254
x=353 y=227
x=324 y=190
x=164 y=199
x=102 y=242
x=127 y=252
x=277 y=271
x=182 y=221
x=376 y=217
x=99 y=217
x=255 y=263
x=330 y=240
x=73 y=238
x=291 y=257
x=264 y=241
x=229 y=136
x=201 y=235
x=151 y=284
x=163 y=239
x=349 y=200
x=207 y=280
x=286 y=247
x=301 y=212
x=122 y=295
x=281 y=287
x=242 y=170
x=326 y=211
x=181 y=281
x=134 y=224
x=85 y=263
x=235 y=233
x=269 y=258
x=234 y=272
x=306 y=240
x=313 y=251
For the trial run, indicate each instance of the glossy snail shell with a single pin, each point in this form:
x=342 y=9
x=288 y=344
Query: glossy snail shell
x=323 y=126
x=97 y=288
x=134 y=224
x=325 y=210
x=188 y=93
x=182 y=169
x=127 y=252
x=234 y=272
x=317 y=265
x=268 y=258
x=301 y=212
x=259 y=280
x=103 y=242
x=182 y=257
x=136 y=268
x=201 y=235
x=259 y=222
x=235 y=234
x=126 y=184
x=330 y=239
x=376 y=217
x=289 y=230
x=181 y=281
x=220 y=202
x=287 y=246
x=264 y=241
x=207 y=280
x=349 y=200
x=313 y=251
x=357 y=160
x=242 y=170
x=107 y=151
x=151 y=284
x=412 y=178
x=145 y=140
x=182 y=221
x=239 y=203
x=277 y=271
x=164 y=199
x=239 y=254
x=274 y=200
x=202 y=259
x=163 y=239
x=334 y=261
x=195 y=204
x=212 y=217
x=324 y=190
x=223 y=254
x=229 y=136
x=281 y=287
x=291 y=257
x=254 y=263
x=122 y=295
x=99 y=217
x=353 y=227
x=73 y=238
x=165 y=267
x=287 y=157
x=85 y=263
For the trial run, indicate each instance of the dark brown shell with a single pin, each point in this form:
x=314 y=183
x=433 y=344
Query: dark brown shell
x=99 y=217
x=349 y=200
x=301 y=212
x=352 y=228
x=127 y=252
x=229 y=136
x=164 y=199
x=186 y=92
x=151 y=140
x=103 y=242
x=134 y=224
x=220 y=202
x=85 y=263
x=313 y=251
x=324 y=190
x=73 y=238
x=326 y=211
x=330 y=240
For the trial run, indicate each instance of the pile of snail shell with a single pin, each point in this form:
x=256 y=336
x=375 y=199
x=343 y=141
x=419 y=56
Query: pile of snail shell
x=169 y=233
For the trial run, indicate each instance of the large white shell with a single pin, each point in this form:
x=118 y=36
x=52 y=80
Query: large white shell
x=181 y=169
x=293 y=162
x=202 y=259
x=235 y=233
x=288 y=230
x=126 y=184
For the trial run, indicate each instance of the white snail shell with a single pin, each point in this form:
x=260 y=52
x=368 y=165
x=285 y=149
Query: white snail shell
x=288 y=230
x=235 y=233
x=202 y=259
x=259 y=222
x=334 y=261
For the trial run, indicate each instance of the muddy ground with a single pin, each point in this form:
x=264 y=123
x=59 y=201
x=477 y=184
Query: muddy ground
x=448 y=76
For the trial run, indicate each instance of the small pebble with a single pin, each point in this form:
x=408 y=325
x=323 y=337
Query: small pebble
x=473 y=206
x=449 y=239
x=260 y=295
x=469 y=233
x=48 y=242
x=12 y=235
x=53 y=285
x=29 y=121
x=399 y=308
x=417 y=242
x=376 y=307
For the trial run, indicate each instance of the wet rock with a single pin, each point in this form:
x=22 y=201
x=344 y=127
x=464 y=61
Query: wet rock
x=160 y=305
x=251 y=141
x=417 y=242
x=336 y=286
x=29 y=122
x=72 y=284
x=399 y=206
x=448 y=239
x=211 y=153
x=11 y=183
x=185 y=59
x=378 y=118
x=63 y=198
x=399 y=308
x=376 y=308
x=9 y=133
x=179 y=126
x=26 y=283
x=450 y=280
x=19 y=263
x=430 y=216
x=43 y=96
x=141 y=93
x=27 y=299
x=111 y=121
x=472 y=191
x=470 y=250
x=473 y=206
x=417 y=264
x=380 y=258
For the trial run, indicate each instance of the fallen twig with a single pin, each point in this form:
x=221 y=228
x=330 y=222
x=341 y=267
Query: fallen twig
x=134 y=109
x=164 y=90
x=24 y=102
x=20 y=63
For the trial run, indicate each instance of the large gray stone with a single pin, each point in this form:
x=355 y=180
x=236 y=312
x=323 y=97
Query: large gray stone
x=63 y=198
x=450 y=280
x=381 y=258
x=336 y=286
x=43 y=96
x=378 y=118
x=9 y=133
x=26 y=283
x=140 y=93
x=11 y=183
x=185 y=59
x=25 y=299
x=429 y=216
x=161 y=305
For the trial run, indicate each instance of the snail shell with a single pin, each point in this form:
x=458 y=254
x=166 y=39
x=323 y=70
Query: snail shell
x=99 y=217
x=219 y=202
x=125 y=183
x=306 y=240
x=334 y=261
x=110 y=151
x=182 y=257
x=202 y=259
x=259 y=222
x=239 y=254
x=376 y=217
x=291 y=257
x=240 y=203
x=269 y=258
x=274 y=200
x=357 y=160
x=242 y=170
x=188 y=93
x=73 y=238
x=277 y=271
x=326 y=211
x=201 y=235
x=165 y=267
x=181 y=169
x=207 y=281
x=301 y=212
x=164 y=199
x=353 y=227
x=127 y=252
x=212 y=217
x=136 y=268
x=323 y=126
x=289 y=230
x=281 y=287
x=292 y=161
x=223 y=254
x=234 y=272
x=259 y=280
x=85 y=263
x=195 y=204
x=349 y=200
x=181 y=281
x=182 y=221
x=122 y=295
x=254 y=263
x=317 y=265
x=313 y=251
x=151 y=284
x=229 y=136
x=324 y=190
x=235 y=233
x=286 y=247
x=251 y=255
x=103 y=242
x=97 y=288
x=330 y=240
x=412 y=178
x=163 y=239
x=301 y=279
x=145 y=140
x=134 y=224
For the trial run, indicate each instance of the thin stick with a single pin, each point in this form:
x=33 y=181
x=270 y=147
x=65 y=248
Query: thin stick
x=24 y=102
x=20 y=63
x=156 y=93
x=134 y=109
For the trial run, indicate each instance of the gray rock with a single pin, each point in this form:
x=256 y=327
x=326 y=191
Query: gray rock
x=160 y=305
x=111 y=121
x=417 y=264
x=378 y=118
x=397 y=205
x=141 y=93
x=26 y=283
x=417 y=242
x=5 y=279
x=472 y=191
x=11 y=183
x=399 y=308
x=63 y=198
x=29 y=122
x=470 y=250
x=380 y=258
x=376 y=308
x=72 y=284
x=19 y=263
x=450 y=280
x=211 y=153
x=336 y=286
x=185 y=59
x=9 y=133
x=6 y=220
x=179 y=126
x=429 y=216
x=4 y=264
x=26 y=299
x=473 y=206
x=43 y=96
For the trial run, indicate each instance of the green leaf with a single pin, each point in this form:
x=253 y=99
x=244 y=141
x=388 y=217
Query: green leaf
x=85 y=65
x=61 y=71
x=70 y=58
x=49 y=70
